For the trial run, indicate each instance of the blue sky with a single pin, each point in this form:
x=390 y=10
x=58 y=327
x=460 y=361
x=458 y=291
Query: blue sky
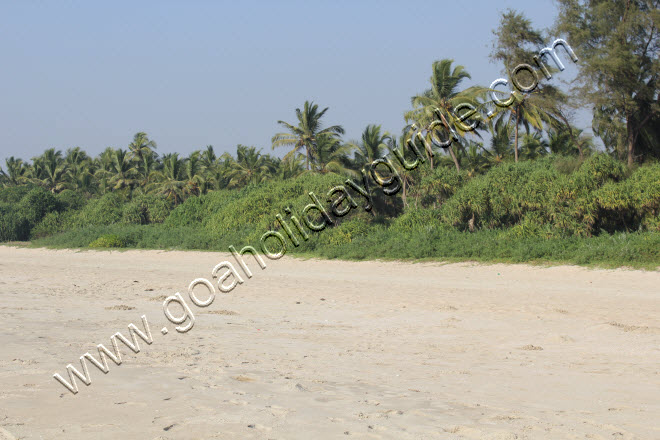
x=190 y=74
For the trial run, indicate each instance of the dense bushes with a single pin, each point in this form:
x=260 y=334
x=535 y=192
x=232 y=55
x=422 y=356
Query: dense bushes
x=13 y=226
x=146 y=209
x=36 y=204
x=633 y=203
x=535 y=198
x=544 y=204
x=19 y=215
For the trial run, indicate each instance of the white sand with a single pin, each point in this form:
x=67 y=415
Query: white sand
x=396 y=350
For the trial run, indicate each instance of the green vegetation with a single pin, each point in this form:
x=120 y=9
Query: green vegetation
x=599 y=213
x=536 y=190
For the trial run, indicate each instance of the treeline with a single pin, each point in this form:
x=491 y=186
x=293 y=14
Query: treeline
x=552 y=209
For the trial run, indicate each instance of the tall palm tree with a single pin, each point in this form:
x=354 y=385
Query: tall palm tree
x=79 y=169
x=143 y=155
x=533 y=146
x=16 y=172
x=192 y=171
x=370 y=147
x=474 y=158
x=141 y=146
x=249 y=167
x=123 y=171
x=570 y=143
x=49 y=170
x=304 y=135
x=104 y=169
x=501 y=141
x=331 y=156
x=531 y=110
x=441 y=100
x=170 y=180
x=290 y=167
x=208 y=158
x=217 y=173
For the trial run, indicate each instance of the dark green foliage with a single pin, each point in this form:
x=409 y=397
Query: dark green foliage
x=635 y=202
x=36 y=204
x=102 y=211
x=14 y=194
x=535 y=199
x=146 y=209
x=49 y=225
x=13 y=225
x=69 y=199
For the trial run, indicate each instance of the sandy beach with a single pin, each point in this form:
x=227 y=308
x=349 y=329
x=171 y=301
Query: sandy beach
x=311 y=349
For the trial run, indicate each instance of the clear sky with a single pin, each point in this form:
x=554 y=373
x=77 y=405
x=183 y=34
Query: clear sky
x=195 y=73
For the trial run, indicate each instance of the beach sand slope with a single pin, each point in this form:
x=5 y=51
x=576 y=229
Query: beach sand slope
x=329 y=349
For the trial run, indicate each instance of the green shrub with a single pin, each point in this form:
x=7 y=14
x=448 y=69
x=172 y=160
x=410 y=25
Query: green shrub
x=635 y=202
x=108 y=241
x=36 y=204
x=347 y=231
x=414 y=220
x=135 y=212
x=436 y=186
x=13 y=226
x=102 y=211
x=69 y=199
x=158 y=208
x=14 y=194
x=191 y=212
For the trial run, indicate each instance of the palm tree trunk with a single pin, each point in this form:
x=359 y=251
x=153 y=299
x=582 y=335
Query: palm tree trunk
x=404 y=180
x=631 y=145
x=453 y=156
x=451 y=150
x=515 y=144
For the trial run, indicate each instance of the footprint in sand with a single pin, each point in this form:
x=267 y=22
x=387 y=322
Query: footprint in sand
x=120 y=307
x=634 y=328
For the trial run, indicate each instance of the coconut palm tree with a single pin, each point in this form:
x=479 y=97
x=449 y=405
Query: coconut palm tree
x=170 y=180
x=249 y=167
x=123 y=171
x=193 y=173
x=141 y=146
x=570 y=143
x=79 y=170
x=474 y=158
x=372 y=146
x=559 y=142
x=217 y=173
x=331 y=156
x=104 y=169
x=16 y=173
x=142 y=154
x=49 y=170
x=501 y=141
x=531 y=110
x=208 y=158
x=434 y=108
x=291 y=167
x=304 y=135
x=533 y=146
